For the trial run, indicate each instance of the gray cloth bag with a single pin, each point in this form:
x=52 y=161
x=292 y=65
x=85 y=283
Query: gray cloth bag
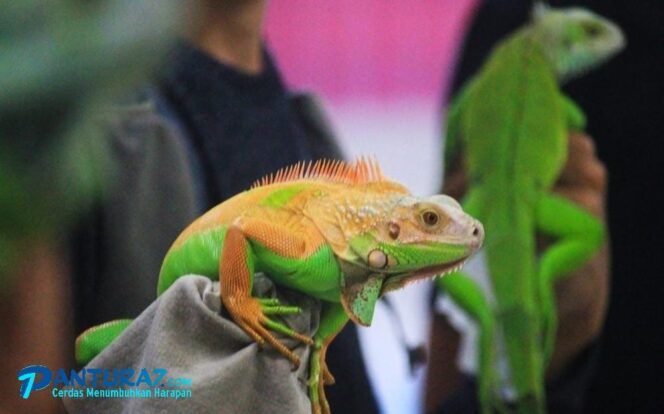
x=187 y=332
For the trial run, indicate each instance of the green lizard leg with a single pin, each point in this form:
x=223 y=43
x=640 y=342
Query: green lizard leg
x=283 y=241
x=333 y=318
x=576 y=119
x=468 y=295
x=236 y=270
x=581 y=235
x=94 y=340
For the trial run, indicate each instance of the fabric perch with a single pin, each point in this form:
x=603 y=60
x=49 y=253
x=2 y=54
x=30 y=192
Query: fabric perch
x=187 y=332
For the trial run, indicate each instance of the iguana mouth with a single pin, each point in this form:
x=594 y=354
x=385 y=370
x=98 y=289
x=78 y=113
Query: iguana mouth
x=432 y=272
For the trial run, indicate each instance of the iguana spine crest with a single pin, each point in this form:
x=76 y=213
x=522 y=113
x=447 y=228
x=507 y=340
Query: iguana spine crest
x=364 y=170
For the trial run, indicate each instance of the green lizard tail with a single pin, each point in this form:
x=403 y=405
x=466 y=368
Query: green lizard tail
x=94 y=340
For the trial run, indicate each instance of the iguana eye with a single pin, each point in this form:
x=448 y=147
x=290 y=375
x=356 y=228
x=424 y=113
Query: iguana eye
x=591 y=29
x=430 y=218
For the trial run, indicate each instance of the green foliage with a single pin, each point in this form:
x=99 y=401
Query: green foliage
x=61 y=62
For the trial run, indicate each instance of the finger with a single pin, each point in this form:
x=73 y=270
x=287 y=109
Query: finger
x=589 y=174
x=594 y=175
x=582 y=167
x=581 y=143
x=590 y=200
x=579 y=151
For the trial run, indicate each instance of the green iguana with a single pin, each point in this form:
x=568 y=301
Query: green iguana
x=511 y=121
x=341 y=233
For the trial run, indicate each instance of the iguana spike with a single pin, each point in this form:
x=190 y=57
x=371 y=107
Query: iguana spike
x=364 y=170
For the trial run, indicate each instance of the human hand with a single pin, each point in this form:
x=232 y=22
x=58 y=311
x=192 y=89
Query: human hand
x=581 y=298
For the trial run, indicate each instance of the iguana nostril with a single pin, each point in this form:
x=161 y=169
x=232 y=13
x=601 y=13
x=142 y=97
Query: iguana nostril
x=393 y=229
x=478 y=232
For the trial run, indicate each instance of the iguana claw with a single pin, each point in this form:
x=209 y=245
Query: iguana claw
x=250 y=316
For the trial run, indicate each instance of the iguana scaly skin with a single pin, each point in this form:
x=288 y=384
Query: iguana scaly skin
x=341 y=233
x=512 y=123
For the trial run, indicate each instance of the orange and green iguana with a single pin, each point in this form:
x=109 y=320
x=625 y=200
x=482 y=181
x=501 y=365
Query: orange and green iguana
x=338 y=232
x=511 y=121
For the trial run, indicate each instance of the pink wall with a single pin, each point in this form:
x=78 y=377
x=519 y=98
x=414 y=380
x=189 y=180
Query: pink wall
x=349 y=49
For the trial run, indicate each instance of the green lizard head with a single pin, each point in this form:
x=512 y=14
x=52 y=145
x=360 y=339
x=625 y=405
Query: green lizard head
x=575 y=40
x=393 y=240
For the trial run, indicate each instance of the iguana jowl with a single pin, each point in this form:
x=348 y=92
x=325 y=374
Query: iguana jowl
x=511 y=122
x=341 y=233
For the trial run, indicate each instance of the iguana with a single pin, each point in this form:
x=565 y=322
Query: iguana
x=511 y=122
x=342 y=233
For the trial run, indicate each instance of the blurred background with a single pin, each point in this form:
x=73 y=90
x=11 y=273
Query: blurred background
x=384 y=73
x=63 y=63
x=381 y=90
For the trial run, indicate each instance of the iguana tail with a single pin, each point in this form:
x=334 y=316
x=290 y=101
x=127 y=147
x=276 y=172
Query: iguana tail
x=511 y=258
x=94 y=340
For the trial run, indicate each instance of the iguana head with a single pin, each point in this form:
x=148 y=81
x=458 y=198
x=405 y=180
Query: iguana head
x=386 y=238
x=574 y=39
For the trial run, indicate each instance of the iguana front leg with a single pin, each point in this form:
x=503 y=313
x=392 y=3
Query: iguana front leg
x=236 y=271
x=332 y=320
x=576 y=119
x=581 y=236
